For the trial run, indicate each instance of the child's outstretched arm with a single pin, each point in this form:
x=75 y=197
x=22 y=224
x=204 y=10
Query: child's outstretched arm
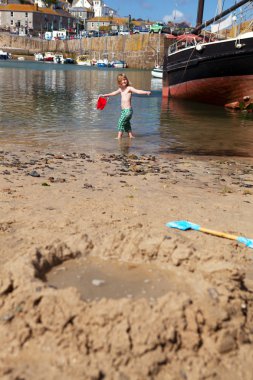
x=139 y=92
x=112 y=93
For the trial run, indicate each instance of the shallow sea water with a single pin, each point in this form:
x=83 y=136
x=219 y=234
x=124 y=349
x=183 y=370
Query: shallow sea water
x=53 y=107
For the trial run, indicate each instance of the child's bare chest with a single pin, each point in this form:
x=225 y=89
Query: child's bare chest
x=126 y=94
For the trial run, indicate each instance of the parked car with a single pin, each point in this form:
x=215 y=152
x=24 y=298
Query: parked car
x=124 y=32
x=113 y=33
x=103 y=33
x=93 y=33
x=156 y=28
x=140 y=29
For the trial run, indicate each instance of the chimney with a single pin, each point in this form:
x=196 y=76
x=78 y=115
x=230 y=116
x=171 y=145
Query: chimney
x=36 y=7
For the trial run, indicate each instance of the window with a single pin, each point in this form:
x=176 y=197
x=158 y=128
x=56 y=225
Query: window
x=11 y=14
x=26 y=14
x=11 y=22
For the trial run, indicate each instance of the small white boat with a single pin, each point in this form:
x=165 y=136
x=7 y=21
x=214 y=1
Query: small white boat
x=157 y=72
x=119 y=64
x=4 y=55
x=102 y=63
x=58 y=58
x=39 y=57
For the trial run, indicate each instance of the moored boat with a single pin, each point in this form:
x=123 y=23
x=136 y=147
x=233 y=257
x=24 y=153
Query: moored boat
x=157 y=72
x=49 y=57
x=4 y=55
x=58 y=58
x=39 y=57
x=83 y=60
x=102 y=63
x=215 y=70
x=119 y=64
x=69 y=60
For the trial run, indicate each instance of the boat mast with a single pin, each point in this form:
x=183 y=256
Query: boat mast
x=219 y=6
x=200 y=12
x=218 y=17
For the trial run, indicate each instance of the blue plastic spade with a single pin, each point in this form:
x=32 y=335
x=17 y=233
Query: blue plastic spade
x=185 y=225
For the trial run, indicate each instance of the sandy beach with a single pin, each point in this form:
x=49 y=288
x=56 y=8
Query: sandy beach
x=60 y=207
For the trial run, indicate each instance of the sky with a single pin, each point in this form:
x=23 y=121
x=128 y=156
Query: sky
x=166 y=10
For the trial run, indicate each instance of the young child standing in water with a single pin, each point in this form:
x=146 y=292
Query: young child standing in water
x=126 y=92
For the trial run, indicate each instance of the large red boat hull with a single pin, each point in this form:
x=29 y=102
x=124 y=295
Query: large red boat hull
x=218 y=91
x=217 y=72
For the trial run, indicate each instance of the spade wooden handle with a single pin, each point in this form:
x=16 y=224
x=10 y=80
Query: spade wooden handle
x=217 y=233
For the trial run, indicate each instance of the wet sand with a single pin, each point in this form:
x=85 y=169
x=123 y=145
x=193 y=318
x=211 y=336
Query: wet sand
x=60 y=207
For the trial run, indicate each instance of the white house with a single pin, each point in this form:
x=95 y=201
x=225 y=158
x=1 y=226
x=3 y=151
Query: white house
x=41 y=3
x=98 y=6
x=87 y=9
x=82 y=4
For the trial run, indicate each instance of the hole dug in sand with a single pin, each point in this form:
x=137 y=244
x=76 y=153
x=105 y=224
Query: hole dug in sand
x=198 y=327
x=96 y=278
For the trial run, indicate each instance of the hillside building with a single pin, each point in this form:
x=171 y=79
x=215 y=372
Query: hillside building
x=37 y=17
x=31 y=19
x=88 y=9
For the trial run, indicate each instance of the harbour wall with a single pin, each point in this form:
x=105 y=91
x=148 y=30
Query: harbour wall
x=141 y=51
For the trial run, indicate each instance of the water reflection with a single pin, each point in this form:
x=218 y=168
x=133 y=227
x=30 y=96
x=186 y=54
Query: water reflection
x=205 y=129
x=125 y=145
x=54 y=107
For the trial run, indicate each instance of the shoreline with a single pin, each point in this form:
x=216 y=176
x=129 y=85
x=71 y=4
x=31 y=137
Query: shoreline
x=58 y=207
